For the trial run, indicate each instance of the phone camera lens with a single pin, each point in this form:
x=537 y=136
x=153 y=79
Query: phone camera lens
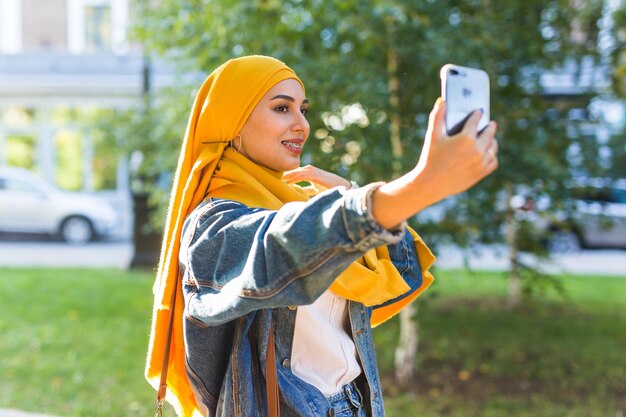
x=454 y=72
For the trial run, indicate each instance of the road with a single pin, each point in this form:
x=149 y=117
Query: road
x=119 y=254
x=58 y=254
x=596 y=262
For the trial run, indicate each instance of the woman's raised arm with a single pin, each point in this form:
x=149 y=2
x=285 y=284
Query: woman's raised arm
x=448 y=165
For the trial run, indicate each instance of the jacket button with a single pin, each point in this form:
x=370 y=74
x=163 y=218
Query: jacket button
x=286 y=363
x=331 y=413
x=292 y=308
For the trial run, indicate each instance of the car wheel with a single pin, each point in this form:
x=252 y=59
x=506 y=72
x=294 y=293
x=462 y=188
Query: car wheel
x=76 y=230
x=564 y=241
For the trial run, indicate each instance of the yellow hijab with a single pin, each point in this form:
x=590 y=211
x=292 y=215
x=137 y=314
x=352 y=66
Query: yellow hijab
x=207 y=168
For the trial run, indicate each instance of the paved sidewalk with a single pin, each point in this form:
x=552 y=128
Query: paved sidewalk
x=6 y=412
x=495 y=258
x=119 y=254
x=58 y=254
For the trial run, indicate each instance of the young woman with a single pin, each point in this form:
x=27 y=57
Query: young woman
x=267 y=292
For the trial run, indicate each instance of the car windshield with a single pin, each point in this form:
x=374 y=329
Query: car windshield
x=601 y=195
x=619 y=196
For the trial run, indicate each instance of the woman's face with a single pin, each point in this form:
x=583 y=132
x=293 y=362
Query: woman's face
x=275 y=132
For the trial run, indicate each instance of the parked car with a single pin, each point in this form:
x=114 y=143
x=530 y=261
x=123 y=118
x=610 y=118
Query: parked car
x=598 y=218
x=30 y=204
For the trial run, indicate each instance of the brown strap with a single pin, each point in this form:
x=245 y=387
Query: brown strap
x=166 y=355
x=271 y=377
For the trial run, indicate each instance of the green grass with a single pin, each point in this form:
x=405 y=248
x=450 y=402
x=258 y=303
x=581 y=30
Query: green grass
x=73 y=343
x=554 y=357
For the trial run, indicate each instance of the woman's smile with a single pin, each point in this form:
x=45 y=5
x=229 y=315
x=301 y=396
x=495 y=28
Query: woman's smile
x=294 y=145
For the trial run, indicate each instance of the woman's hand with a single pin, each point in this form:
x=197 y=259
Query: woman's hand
x=447 y=165
x=318 y=177
x=456 y=163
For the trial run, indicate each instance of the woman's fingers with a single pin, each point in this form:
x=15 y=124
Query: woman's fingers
x=490 y=155
x=315 y=175
x=470 y=128
x=293 y=176
x=492 y=163
x=305 y=173
x=485 y=140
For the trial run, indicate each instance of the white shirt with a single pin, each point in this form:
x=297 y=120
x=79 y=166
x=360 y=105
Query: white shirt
x=323 y=353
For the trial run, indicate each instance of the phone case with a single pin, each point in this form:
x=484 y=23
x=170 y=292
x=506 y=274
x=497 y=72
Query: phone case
x=464 y=89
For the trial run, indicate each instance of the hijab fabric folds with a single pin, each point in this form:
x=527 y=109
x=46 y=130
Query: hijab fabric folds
x=222 y=106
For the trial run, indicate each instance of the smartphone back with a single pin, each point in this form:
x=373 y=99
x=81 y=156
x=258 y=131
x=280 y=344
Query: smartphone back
x=464 y=89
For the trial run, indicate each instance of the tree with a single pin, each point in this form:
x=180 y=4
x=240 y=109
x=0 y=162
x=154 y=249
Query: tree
x=372 y=70
x=617 y=54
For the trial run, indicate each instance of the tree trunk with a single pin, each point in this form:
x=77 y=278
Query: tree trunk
x=406 y=351
x=394 y=117
x=511 y=230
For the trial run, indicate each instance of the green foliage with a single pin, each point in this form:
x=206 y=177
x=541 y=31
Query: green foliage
x=104 y=163
x=618 y=54
x=69 y=169
x=341 y=50
x=618 y=63
x=20 y=151
x=347 y=52
x=150 y=135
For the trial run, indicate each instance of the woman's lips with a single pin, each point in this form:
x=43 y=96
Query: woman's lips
x=293 y=145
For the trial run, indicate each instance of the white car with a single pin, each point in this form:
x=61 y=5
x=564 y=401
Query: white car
x=30 y=204
x=598 y=219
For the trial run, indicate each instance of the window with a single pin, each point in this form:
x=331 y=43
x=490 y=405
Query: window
x=98 y=28
x=20 y=186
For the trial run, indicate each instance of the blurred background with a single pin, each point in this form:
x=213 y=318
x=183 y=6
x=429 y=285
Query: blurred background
x=527 y=317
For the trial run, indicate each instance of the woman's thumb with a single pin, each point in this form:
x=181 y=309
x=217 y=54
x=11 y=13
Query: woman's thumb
x=437 y=120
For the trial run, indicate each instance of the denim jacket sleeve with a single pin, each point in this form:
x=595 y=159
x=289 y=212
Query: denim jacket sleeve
x=406 y=260
x=236 y=259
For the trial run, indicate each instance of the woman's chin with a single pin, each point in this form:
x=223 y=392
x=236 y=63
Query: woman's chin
x=293 y=163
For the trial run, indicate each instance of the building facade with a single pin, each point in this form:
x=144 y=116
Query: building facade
x=60 y=60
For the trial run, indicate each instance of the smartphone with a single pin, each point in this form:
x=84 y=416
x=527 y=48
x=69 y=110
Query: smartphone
x=464 y=90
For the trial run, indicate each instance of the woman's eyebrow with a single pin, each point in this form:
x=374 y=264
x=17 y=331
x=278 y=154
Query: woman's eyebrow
x=288 y=98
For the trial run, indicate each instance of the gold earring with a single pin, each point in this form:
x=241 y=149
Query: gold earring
x=238 y=149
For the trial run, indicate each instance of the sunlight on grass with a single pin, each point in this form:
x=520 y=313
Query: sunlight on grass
x=74 y=342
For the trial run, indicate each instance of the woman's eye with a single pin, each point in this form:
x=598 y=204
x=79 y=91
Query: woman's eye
x=282 y=109
x=304 y=111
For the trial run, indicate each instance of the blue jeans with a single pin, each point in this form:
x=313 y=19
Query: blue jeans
x=347 y=403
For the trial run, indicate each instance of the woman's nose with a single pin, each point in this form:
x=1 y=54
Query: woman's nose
x=300 y=123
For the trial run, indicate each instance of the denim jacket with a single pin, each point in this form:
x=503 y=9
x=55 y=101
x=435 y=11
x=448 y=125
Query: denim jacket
x=243 y=267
